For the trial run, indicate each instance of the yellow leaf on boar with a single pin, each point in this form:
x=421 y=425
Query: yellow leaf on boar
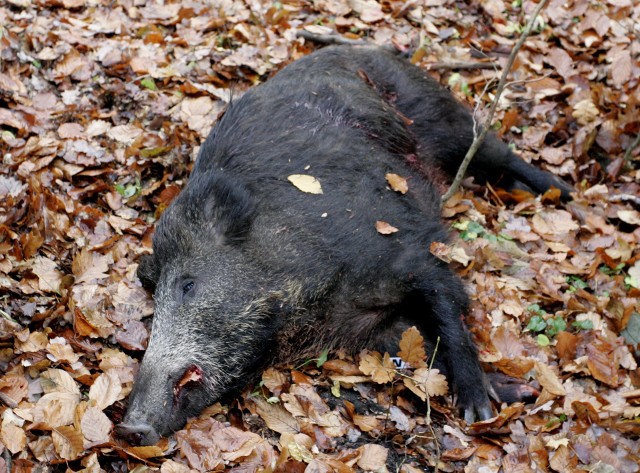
x=306 y=183
x=383 y=228
x=397 y=183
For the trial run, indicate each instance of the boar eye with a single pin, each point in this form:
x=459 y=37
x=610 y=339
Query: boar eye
x=187 y=287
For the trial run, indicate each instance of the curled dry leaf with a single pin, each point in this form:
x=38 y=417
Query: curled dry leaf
x=383 y=228
x=305 y=183
x=397 y=183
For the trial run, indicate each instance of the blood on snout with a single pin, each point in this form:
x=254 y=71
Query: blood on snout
x=191 y=378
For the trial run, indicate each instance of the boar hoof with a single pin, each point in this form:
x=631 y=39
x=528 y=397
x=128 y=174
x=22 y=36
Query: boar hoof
x=473 y=414
x=138 y=434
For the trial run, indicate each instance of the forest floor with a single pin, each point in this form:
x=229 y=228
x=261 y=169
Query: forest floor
x=103 y=105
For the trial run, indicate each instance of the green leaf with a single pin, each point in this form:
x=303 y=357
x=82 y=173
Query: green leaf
x=537 y=324
x=536 y=309
x=543 y=340
x=582 y=324
x=322 y=358
x=576 y=282
x=555 y=325
x=149 y=83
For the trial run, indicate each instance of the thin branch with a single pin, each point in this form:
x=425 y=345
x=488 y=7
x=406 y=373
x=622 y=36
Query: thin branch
x=478 y=140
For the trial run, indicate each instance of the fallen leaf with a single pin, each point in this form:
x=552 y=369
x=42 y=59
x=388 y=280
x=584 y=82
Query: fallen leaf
x=106 y=389
x=373 y=457
x=427 y=382
x=384 y=228
x=276 y=417
x=95 y=425
x=380 y=369
x=306 y=183
x=397 y=183
x=412 y=348
x=67 y=442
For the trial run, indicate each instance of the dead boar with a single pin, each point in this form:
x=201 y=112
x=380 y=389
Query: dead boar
x=246 y=268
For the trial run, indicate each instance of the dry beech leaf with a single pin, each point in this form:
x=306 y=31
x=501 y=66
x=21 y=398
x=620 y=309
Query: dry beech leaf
x=106 y=389
x=56 y=409
x=144 y=453
x=373 y=457
x=426 y=382
x=13 y=437
x=56 y=380
x=366 y=423
x=68 y=442
x=171 y=466
x=380 y=369
x=306 y=183
x=49 y=277
x=412 y=348
x=632 y=217
x=30 y=342
x=383 y=228
x=14 y=387
x=397 y=183
x=274 y=380
x=602 y=361
x=549 y=380
x=276 y=417
x=95 y=425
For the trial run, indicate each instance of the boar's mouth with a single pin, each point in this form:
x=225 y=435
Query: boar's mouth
x=144 y=425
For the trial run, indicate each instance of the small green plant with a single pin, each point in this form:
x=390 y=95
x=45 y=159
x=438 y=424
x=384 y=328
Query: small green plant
x=582 y=324
x=611 y=271
x=469 y=229
x=130 y=190
x=149 y=83
x=321 y=360
x=542 y=322
x=576 y=283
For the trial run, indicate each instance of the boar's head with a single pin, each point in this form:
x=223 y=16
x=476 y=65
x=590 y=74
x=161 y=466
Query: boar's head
x=212 y=323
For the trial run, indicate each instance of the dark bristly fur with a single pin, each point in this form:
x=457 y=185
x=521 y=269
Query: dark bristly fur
x=247 y=268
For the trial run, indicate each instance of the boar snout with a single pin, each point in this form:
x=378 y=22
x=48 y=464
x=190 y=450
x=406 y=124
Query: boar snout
x=161 y=404
x=139 y=433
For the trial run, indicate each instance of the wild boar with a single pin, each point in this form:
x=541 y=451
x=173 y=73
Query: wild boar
x=247 y=268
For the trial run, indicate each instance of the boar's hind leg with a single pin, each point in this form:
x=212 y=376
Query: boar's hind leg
x=443 y=128
x=439 y=304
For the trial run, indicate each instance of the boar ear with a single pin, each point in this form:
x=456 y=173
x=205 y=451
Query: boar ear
x=148 y=272
x=229 y=206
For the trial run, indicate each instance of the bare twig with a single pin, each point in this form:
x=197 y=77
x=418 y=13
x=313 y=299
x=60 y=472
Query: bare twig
x=632 y=146
x=479 y=139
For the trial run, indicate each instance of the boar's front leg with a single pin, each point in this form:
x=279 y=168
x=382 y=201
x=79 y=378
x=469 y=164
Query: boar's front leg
x=440 y=303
